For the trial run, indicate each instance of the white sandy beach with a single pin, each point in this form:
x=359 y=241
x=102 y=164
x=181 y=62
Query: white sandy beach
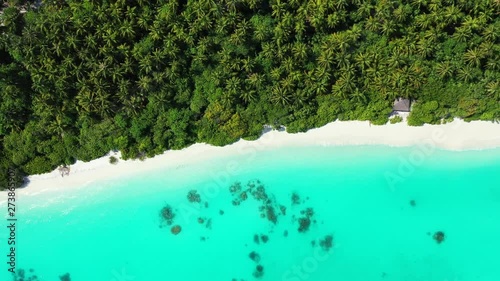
x=457 y=135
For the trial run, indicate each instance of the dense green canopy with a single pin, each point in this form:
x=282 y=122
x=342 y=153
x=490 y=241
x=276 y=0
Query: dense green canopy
x=80 y=78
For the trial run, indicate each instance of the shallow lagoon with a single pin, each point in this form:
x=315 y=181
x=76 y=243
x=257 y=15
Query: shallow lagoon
x=381 y=205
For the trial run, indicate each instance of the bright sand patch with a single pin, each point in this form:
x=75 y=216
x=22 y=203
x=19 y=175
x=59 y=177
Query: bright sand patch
x=457 y=135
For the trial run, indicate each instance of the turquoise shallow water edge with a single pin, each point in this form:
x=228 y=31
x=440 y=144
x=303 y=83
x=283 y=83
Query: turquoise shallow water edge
x=381 y=205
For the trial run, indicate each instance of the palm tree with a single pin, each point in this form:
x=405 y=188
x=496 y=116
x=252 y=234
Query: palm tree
x=462 y=34
x=424 y=48
x=493 y=89
x=359 y=96
x=444 y=69
x=452 y=14
x=473 y=57
x=334 y=20
x=231 y=5
x=85 y=99
x=299 y=50
x=227 y=99
x=144 y=18
x=146 y=65
x=364 y=10
x=340 y=40
x=159 y=77
x=288 y=84
x=300 y=27
x=103 y=104
x=255 y=81
x=388 y=27
x=130 y=12
x=325 y=60
x=419 y=4
x=372 y=24
x=145 y=83
x=354 y=33
x=233 y=85
x=280 y=96
x=321 y=84
x=465 y=74
x=491 y=32
x=278 y=9
x=363 y=61
x=57 y=48
x=248 y=96
x=424 y=21
x=407 y=46
x=396 y=59
x=281 y=33
x=58 y=123
x=72 y=41
x=493 y=63
x=471 y=23
x=276 y=73
x=343 y=61
x=346 y=82
x=127 y=29
x=400 y=14
x=253 y=4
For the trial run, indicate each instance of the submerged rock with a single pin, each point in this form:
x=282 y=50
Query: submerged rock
x=193 y=196
x=295 y=199
x=25 y=275
x=201 y=220
x=283 y=210
x=264 y=238
x=235 y=188
x=221 y=212
x=285 y=233
x=176 y=229
x=326 y=243
x=308 y=212
x=209 y=224
x=256 y=239
x=243 y=196
x=167 y=214
x=259 y=271
x=413 y=203
x=271 y=215
x=439 y=237
x=304 y=224
x=305 y=221
x=65 y=277
x=254 y=256
x=260 y=193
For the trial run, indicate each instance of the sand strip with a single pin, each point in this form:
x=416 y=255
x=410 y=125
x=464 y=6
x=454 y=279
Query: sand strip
x=457 y=135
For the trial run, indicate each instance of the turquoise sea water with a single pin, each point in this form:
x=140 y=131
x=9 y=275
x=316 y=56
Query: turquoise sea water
x=382 y=207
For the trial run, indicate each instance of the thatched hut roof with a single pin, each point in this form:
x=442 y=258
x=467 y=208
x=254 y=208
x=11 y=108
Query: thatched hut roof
x=401 y=104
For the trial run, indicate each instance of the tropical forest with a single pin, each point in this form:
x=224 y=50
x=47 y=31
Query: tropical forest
x=81 y=78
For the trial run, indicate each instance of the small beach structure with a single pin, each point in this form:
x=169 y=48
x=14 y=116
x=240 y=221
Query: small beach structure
x=401 y=105
x=64 y=170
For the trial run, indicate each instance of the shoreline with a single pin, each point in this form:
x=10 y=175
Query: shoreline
x=457 y=135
